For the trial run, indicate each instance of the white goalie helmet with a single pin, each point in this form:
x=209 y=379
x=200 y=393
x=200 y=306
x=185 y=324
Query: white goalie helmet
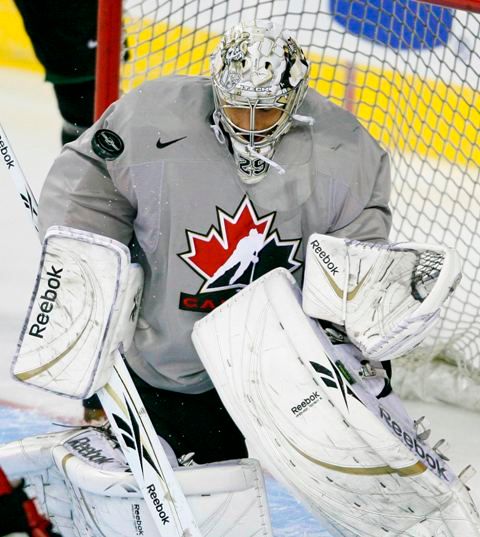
x=257 y=65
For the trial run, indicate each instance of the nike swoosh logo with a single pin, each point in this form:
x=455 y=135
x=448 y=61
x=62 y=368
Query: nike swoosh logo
x=161 y=145
x=339 y=292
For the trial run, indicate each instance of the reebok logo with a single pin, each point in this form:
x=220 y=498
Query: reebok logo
x=47 y=303
x=161 y=144
x=85 y=449
x=6 y=155
x=307 y=402
x=158 y=504
x=324 y=257
x=430 y=460
x=137 y=519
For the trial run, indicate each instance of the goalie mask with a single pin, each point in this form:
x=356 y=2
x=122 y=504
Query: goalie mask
x=257 y=67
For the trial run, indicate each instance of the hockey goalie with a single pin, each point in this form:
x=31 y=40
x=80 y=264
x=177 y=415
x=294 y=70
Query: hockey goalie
x=316 y=409
x=255 y=149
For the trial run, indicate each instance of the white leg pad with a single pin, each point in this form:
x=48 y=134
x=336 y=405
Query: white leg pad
x=81 y=481
x=355 y=461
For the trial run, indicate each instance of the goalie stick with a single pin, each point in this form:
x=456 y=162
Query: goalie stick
x=16 y=173
x=127 y=415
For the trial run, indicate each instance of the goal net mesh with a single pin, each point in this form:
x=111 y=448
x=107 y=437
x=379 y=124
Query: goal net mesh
x=410 y=72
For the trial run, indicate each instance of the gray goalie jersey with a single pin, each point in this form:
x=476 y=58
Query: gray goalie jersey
x=150 y=173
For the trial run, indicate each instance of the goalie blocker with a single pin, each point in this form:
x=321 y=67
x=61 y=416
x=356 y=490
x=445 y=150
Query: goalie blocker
x=319 y=428
x=85 y=305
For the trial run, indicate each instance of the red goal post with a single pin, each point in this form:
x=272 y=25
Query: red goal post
x=468 y=5
x=409 y=71
x=109 y=45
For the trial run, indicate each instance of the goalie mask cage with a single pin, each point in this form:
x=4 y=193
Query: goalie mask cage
x=409 y=71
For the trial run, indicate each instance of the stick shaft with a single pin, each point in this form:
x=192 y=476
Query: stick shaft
x=145 y=455
x=14 y=169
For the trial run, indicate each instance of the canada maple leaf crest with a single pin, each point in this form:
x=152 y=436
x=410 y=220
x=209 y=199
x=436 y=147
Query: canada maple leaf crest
x=239 y=250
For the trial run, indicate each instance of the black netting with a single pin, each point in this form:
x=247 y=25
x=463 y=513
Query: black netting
x=427 y=269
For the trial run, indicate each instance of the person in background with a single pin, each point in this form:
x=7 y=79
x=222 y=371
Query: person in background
x=64 y=38
x=213 y=182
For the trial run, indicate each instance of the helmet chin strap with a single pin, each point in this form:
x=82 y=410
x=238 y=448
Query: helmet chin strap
x=309 y=120
x=217 y=129
x=279 y=169
x=272 y=163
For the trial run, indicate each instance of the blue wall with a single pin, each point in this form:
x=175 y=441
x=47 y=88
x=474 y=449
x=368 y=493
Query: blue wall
x=429 y=28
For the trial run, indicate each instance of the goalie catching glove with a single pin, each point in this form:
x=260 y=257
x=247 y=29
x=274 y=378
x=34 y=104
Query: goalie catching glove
x=388 y=296
x=85 y=305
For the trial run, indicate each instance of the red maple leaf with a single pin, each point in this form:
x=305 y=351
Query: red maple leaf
x=209 y=252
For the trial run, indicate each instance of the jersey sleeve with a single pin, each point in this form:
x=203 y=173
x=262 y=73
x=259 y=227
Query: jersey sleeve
x=365 y=214
x=79 y=191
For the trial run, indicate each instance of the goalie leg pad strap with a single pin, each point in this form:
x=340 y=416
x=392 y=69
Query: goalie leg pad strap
x=84 y=306
x=314 y=427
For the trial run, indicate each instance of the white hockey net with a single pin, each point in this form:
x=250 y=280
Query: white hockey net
x=410 y=72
